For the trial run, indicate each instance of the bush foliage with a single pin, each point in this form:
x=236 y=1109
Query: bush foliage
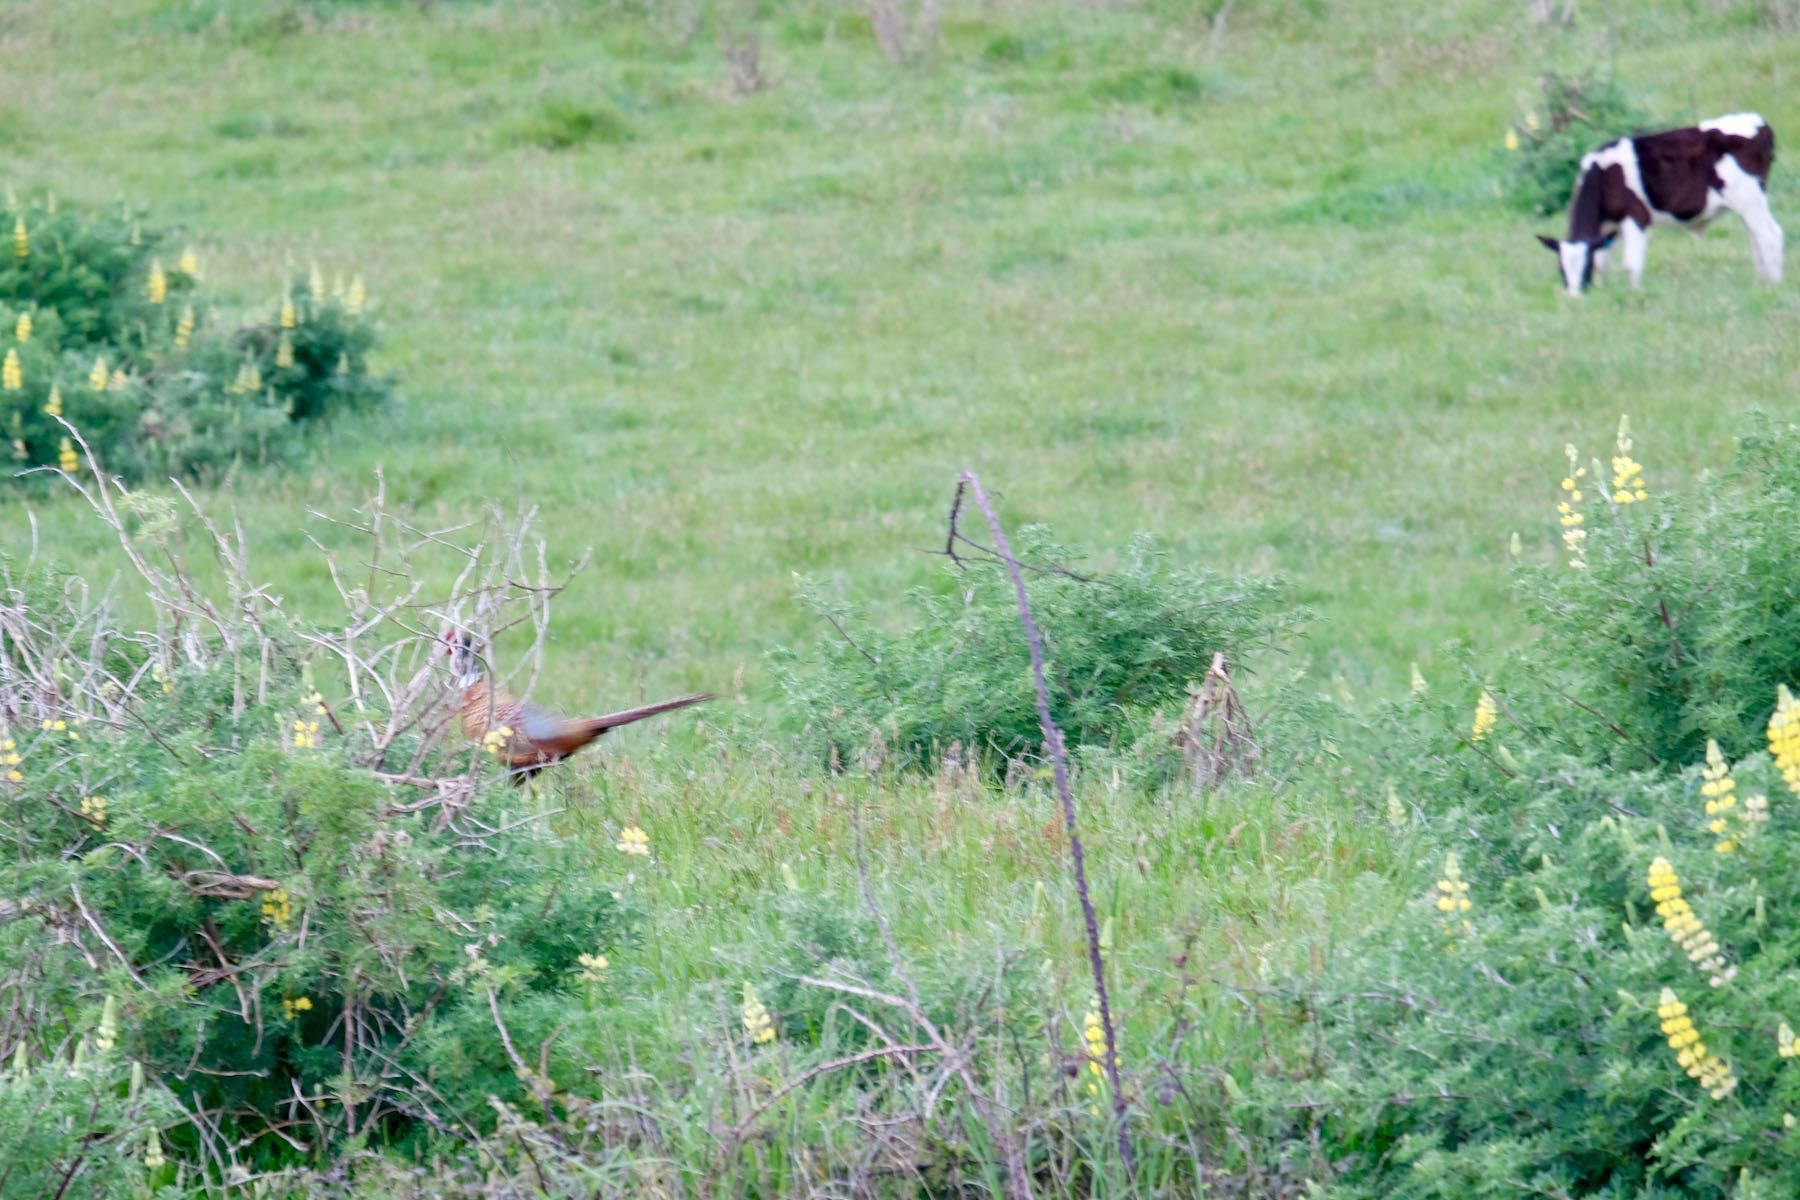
x=1572 y=115
x=1118 y=645
x=104 y=325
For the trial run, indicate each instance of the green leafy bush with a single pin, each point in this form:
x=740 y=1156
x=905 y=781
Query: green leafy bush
x=1116 y=645
x=1573 y=115
x=102 y=325
x=1618 y=877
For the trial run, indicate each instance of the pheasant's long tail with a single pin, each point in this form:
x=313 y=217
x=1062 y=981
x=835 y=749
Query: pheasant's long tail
x=595 y=726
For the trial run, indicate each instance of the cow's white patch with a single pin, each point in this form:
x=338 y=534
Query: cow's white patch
x=1574 y=259
x=1743 y=194
x=1744 y=125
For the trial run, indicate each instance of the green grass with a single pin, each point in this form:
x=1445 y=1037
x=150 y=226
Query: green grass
x=1266 y=302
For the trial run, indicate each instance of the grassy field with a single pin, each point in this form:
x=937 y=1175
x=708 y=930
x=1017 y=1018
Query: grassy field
x=1259 y=297
x=1257 y=292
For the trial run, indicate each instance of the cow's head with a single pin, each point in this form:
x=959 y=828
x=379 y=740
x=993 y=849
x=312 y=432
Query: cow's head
x=1577 y=260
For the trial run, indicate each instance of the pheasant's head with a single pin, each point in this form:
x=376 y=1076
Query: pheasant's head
x=465 y=663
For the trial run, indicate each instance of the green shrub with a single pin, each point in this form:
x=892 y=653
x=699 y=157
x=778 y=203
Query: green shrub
x=1573 y=115
x=107 y=330
x=1519 y=1043
x=1116 y=645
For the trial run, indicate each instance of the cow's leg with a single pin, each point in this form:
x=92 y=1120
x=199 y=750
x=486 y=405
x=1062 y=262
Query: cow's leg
x=1602 y=260
x=1744 y=195
x=1634 y=244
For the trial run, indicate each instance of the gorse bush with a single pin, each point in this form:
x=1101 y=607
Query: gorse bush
x=1572 y=115
x=102 y=325
x=1117 y=645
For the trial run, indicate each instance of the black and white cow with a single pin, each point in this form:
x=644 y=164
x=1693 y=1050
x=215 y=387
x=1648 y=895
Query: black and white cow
x=1682 y=176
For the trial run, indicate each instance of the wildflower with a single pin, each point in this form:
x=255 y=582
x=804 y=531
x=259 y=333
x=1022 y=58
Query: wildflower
x=93 y=810
x=12 y=376
x=22 y=329
x=1512 y=139
x=1093 y=1033
x=1628 y=476
x=156 y=287
x=277 y=909
x=160 y=674
x=153 y=1153
x=293 y=1008
x=1486 y=713
x=184 y=328
x=10 y=760
x=98 y=376
x=1785 y=1044
x=633 y=840
x=1453 y=891
x=284 y=350
x=1703 y=1066
x=1418 y=681
x=19 y=451
x=494 y=740
x=315 y=284
x=1396 y=812
x=66 y=458
x=306 y=735
x=1684 y=927
x=21 y=239
x=107 y=1035
x=1784 y=737
x=593 y=967
x=757 y=1023
x=1531 y=120
x=189 y=263
x=355 y=297
x=249 y=378
x=1574 y=536
x=315 y=701
x=53 y=406
x=118 y=381
x=289 y=318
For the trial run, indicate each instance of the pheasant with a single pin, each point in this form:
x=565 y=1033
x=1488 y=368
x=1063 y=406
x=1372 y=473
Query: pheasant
x=523 y=736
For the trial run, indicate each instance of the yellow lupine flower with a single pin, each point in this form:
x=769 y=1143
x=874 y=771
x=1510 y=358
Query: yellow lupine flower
x=1703 y=1066
x=284 y=350
x=633 y=840
x=1574 y=536
x=22 y=330
x=289 y=317
x=355 y=297
x=156 y=287
x=293 y=1008
x=1512 y=139
x=315 y=284
x=249 y=378
x=1628 y=476
x=53 y=406
x=153 y=1153
x=12 y=376
x=106 y=1036
x=757 y=1023
x=593 y=967
x=66 y=458
x=93 y=808
x=10 y=760
x=1418 y=681
x=1486 y=714
x=306 y=735
x=1683 y=925
x=1453 y=891
x=1531 y=120
x=98 y=376
x=21 y=238
x=277 y=909
x=1785 y=1045
x=184 y=328
x=118 y=380
x=1784 y=737
x=189 y=263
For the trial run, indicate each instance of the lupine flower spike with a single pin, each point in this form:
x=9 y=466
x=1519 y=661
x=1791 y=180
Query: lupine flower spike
x=184 y=328
x=633 y=840
x=1453 y=897
x=156 y=287
x=9 y=761
x=1684 y=927
x=99 y=375
x=1784 y=737
x=1785 y=1043
x=53 y=406
x=1569 y=513
x=1703 y=1066
x=66 y=458
x=189 y=263
x=12 y=376
x=757 y=1023
x=289 y=318
x=1628 y=476
x=22 y=330
x=1486 y=713
x=21 y=239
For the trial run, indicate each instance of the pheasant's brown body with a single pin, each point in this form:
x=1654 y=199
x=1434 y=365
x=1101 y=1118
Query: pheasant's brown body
x=528 y=738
